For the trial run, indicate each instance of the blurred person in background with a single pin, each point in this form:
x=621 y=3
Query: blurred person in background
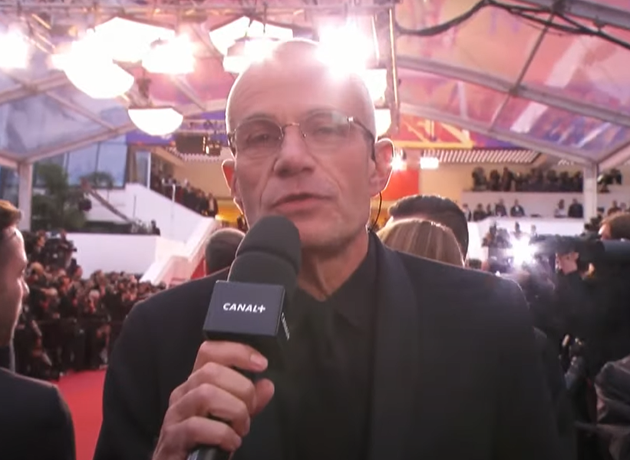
x=434 y=208
x=423 y=238
x=35 y=422
x=404 y=234
x=221 y=249
x=595 y=302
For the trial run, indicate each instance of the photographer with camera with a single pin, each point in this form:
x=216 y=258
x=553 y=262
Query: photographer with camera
x=594 y=303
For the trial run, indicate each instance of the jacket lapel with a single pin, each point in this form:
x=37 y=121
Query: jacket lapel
x=396 y=359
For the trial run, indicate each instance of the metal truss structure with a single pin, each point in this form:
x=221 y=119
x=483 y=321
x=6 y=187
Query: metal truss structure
x=600 y=116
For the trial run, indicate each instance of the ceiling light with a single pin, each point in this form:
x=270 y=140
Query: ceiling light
x=345 y=48
x=429 y=163
x=102 y=80
x=225 y=36
x=156 y=121
x=15 y=50
x=129 y=41
x=383 y=118
x=92 y=72
x=245 y=51
x=173 y=57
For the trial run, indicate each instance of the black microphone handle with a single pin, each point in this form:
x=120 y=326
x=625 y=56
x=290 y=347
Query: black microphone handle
x=209 y=453
x=213 y=452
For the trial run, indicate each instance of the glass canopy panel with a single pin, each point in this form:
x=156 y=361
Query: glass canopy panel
x=621 y=4
x=7 y=83
x=485 y=43
x=111 y=111
x=465 y=100
x=588 y=69
x=112 y=160
x=566 y=129
x=37 y=123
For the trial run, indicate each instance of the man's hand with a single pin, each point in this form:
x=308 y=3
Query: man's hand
x=216 y=390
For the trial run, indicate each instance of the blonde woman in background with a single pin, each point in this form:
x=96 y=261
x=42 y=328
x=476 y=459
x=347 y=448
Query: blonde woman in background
x=423 y=238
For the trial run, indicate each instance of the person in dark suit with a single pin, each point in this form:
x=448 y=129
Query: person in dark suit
x=35 y=422
x=221 y=249
x=391 y=356
x=443 y=210
x=7 y=357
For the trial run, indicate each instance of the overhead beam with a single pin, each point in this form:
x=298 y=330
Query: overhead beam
x=68 y=104
x=187 y=111
x=80 y=110
x=7 y=162
x=600 y=14
x=517 y=139
x=226 y=8
x=547 y=97
x=521 y=75
x=32 y=88
x=187 y=91
x=619 y=155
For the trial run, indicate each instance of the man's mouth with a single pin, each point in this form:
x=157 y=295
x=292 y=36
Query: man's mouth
x=297 y=198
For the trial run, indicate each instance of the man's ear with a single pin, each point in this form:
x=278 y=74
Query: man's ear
x=228 y=168
x=383 y=154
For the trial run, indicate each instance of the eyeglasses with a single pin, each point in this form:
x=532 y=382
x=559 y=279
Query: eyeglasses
x=321 y=131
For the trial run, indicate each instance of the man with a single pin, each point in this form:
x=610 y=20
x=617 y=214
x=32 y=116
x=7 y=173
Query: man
x=392 y=356
x=439 y=209
x=221 y=249
x=34 y=419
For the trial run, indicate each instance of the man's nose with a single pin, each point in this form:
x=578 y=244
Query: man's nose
x=294 y=155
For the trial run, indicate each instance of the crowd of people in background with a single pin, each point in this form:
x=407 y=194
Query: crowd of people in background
x=185 y=194
x=575 y=210
x=539 y=180
x=69 y=322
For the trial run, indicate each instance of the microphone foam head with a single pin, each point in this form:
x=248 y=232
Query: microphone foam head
x=270 y=253
x=274 y=235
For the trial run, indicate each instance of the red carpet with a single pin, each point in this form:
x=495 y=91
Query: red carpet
x=83 y=393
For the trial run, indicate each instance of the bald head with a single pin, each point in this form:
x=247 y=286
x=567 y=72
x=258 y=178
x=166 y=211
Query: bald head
x=300 y=62
x=303 y=134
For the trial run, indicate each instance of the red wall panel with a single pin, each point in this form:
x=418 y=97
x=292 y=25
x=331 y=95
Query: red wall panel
x=401 y=184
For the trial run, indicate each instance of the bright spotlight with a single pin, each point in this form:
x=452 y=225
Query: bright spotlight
x=15 y=50
x=376 y=82
x=171 y=57
x=345 y=48
x=429 y=163
x=522 y=252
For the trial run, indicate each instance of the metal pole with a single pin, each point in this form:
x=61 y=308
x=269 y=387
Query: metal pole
x=395 y=108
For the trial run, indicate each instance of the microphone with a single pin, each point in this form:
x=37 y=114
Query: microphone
x=249 y=307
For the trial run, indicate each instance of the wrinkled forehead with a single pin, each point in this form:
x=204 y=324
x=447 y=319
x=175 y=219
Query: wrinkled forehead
x=284 y=91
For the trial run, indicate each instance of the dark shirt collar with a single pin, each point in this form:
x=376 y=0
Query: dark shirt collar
x=352 y=300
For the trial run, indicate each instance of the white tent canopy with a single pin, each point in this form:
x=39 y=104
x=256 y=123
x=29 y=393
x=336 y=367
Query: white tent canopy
x=525 y=81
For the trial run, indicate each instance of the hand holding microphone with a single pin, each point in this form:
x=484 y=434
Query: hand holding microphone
x=214 y=388
x=211 y=412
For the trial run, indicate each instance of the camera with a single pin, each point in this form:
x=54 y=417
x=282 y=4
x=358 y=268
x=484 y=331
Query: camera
x=590 y=248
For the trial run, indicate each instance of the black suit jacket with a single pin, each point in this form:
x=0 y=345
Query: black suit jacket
x=456 y=370
x=35 y=422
